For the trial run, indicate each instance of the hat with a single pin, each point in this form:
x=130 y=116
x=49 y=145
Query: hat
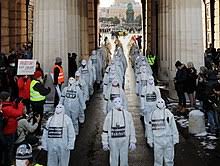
x=4 y=95
x=83 y=62
x=24 y=152
x=178 y=63
x=37 y=74
x=77 y=74
x=58 y=60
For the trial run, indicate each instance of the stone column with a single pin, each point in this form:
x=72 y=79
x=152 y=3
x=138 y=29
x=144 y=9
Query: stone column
x=91 y=25
x=4 y=27
x=173 y=38
x=163 y=39
x=84 y=28
x=50 y=32
x=73 y=28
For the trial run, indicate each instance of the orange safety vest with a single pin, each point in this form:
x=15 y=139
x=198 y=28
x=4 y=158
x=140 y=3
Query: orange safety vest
x=61 y=74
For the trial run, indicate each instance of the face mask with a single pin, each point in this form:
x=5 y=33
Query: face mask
x=71 y=81
x=161 y=104
x=117 y=103
x=151 y=82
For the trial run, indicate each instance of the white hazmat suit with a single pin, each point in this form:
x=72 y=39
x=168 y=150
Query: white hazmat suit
x=58 y=138
x=83 y=86
x=74 y=103
x=111 y=74
x=113 y=92
x=141 y=79
x=87 y=75
x=118 y=134
x=162 y=134
x=97 y=63
x=149 y=95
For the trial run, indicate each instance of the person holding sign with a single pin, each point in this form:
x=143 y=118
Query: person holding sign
x=37 y=97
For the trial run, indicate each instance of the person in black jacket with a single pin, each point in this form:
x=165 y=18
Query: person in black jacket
x=202 y=86
x=72 y=65
x=180 y=85
x=191 y=83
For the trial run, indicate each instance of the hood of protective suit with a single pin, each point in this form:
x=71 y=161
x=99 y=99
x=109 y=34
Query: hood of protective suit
x=150 y=81
x=117 y=103
x=83 y=63
x=57 y=119
x=161 y=104
x=94 y=52
x=71 y=81
x=77 y=74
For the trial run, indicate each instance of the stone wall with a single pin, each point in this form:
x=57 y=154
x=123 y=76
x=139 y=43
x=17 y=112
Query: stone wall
x=13 y=24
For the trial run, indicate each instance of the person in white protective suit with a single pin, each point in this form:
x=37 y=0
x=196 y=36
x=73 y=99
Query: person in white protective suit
x=120 y=53
x=140 y=60
x=83 y=86
x=113 y=92
x=87 y=75
x=97 y=63
x=149 y=95
x=74 y=103
x=162 y=134
x=91 y=67
x=118 y=134
x=111 y=73
x=141 y=79
x=58 y=138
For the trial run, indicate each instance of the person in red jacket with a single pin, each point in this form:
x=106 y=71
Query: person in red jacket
x=11 y=111
x=24 y=83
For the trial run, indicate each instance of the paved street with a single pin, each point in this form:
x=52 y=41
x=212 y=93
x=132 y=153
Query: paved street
x=88 y=150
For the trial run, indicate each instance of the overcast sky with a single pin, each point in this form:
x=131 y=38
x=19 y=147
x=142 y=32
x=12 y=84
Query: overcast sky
x=107 y=3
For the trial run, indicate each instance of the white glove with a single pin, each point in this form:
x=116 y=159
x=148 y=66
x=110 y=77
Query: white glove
x=132 y=146
x=105 y=147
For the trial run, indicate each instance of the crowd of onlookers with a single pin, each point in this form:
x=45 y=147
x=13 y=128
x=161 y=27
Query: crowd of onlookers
x=17 y=123
x=203 y=86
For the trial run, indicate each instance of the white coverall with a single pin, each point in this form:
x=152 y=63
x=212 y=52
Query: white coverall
x=141 y=79
x=149 y=95
x=87 y=75
x=118 y=134
x=120 y=59
x=97 y=63
x=162 y=134
x=74 y=103
x=58 y=138
x=114 y=90
x=111 y=74
x=83 y=86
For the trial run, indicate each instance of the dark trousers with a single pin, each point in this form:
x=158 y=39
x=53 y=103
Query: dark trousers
x=8 y=152
x=26 y=102
x=182 y=98
x=38 y=109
